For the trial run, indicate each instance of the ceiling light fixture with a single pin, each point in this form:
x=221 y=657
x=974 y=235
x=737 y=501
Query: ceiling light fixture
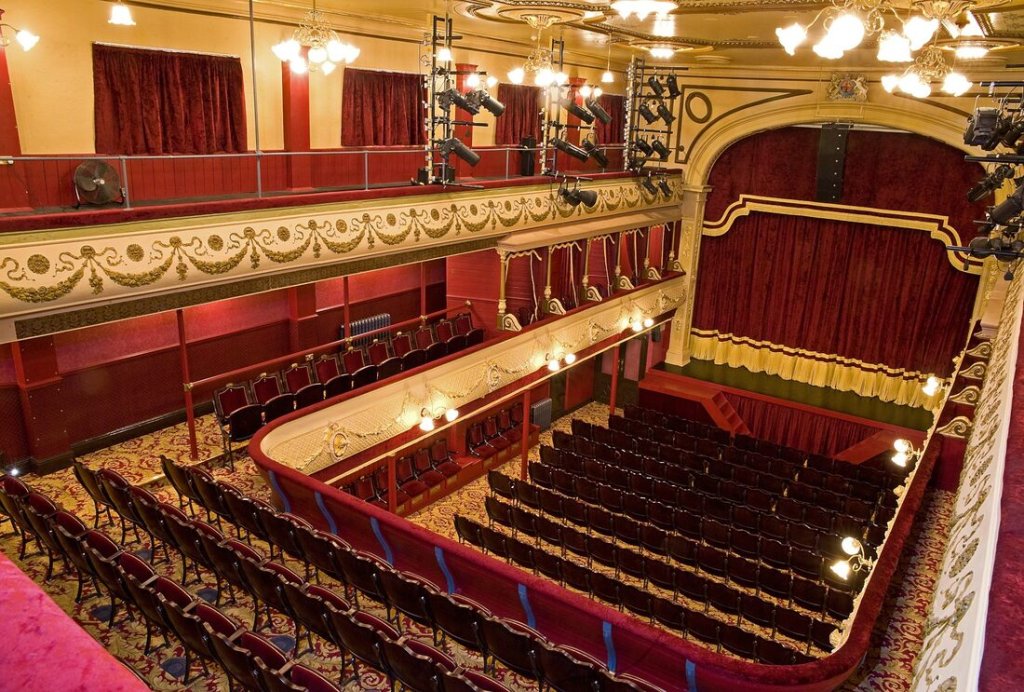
x=25 y=38
x=323 y=47
x=121 y=14
x=607 y=77
x=930 y=66
x=538 y=63
x=642 y=8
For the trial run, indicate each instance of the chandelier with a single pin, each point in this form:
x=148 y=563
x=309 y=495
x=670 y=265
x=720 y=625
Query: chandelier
x=538 y=64
x=848 y=22
x=929 y=67
x=642 y=8
x=324 y=48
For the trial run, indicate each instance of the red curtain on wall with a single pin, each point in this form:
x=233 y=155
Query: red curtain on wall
x=614 y=131
x=160 y=102
x=879 y=295
x=797 y=428
x=522 y=114
x=382 y=109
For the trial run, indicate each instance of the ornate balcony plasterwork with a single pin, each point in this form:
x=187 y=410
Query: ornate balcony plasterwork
x=322 y=438
x=72 y=269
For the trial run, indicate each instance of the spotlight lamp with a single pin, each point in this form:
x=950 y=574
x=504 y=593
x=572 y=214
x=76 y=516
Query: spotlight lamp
x=453 y=97
x=583 y=114
x=575 y=196
x=665 y=114
x=599 y=112
x=649 y=185
x=570 y=149
x=25 y=38
x=657 y=87
x=673 y=86
x=429 y=418
x=595 y=153
x=453 y=145
x=643 y=146
x=660 y=149
x=857 y=561
x=646 y=113
x=665 y=188
x=991 y=182
x=491 y=104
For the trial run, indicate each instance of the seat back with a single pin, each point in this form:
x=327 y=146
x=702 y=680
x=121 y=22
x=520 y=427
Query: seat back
x=229 y=398
x=353 y=359
x=378 y=352
x=326 y=368
x=401 y=344
x=266 y=387
x=364 y=376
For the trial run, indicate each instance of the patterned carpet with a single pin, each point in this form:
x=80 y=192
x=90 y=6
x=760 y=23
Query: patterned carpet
x=896 y=640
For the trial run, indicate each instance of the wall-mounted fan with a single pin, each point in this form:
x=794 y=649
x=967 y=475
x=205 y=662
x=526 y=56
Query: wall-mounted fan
x=97 y=182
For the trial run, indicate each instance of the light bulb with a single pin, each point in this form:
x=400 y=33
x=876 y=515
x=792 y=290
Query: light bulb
x=827 y=49
x=451 y=414
x=26 y=39
x=922 y=90
x=636 y=326
x=971 y=51
x=661 y=52
x=327 y=67
x=648 y=323
x=444 y=54
x=317 y=55
x=893 y=47
x=286 y=51
x=570 y=358
x=842 y=569
x=607 y=77
x=351 y=53
x=426 y=423
x=901 y=445
x=598 y=91
x=900 y=459
x=846 y=31
x=492 y=82
x=473 y=80
x=791 y=37
x=919 y=30
x=665 y=25
x=121 y=15
x=909 y=82
x=850 y=545
x=298 y=65
x=517 y=75
x=931 y=386
x=553 y=365
x=956 y=84
x=561 y=78
x=586 y=91
x=15 y=471
x=544 y=77
x=890 y=82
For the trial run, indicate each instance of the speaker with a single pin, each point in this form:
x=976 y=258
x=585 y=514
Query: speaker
x=831 y=162
x=540 y=413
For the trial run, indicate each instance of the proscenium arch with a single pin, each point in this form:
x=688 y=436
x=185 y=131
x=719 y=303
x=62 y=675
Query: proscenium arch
x=943 y=125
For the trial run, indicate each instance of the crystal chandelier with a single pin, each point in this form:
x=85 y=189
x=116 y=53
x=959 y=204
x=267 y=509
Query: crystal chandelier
x=538 y=63
x=848 y=22
x=929 y=67
x=642 y=8
x=324 y=49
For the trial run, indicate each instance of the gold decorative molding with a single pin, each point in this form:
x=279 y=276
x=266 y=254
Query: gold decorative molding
x=975 y=372
x=959 y=428
x=969 y=395
x=982 y=350
x=73 y=269
x=937 y=226
x=326 y=436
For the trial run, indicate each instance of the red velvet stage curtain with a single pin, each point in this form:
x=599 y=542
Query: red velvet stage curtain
x=797 y=428
x=161 y=102
x=884 y=170
x=614 y=132
x=879 y=295
x=382 y=109
x=522 y=114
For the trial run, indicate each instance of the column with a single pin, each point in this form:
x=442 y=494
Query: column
x=295 y=101
x=684 y=257
x=42 y=402
x=302 y=332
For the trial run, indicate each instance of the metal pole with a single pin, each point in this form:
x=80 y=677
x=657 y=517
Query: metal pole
x=346 y=311
x=615 y=380
x=366 y=170
x=423 y=288
x=524 y=433
x=255 y=101
x=392 y=485
x=186 y=380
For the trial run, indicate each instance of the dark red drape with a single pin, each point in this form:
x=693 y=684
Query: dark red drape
x=382 y=108
x=522 y=114
x=797 y=428
x=159 y=102
x=884 y=170
x=614 y=131
x=879 y=295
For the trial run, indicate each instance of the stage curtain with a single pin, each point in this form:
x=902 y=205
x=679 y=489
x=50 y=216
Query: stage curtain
x=865 y=293
x=614 y=131
x=817 y=369
x=522 y=114
x=797 y=428
x=161 y=102
x=382 y=109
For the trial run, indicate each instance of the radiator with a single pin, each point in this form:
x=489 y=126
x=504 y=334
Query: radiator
x=540 y=413
x=367 y=324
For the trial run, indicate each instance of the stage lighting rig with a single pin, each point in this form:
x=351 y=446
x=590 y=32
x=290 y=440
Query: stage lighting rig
x=990 y=183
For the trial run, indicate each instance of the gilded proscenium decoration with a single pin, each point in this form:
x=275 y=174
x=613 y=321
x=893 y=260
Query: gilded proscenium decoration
x=48 y=270
x=960 y=603
x=322 y=438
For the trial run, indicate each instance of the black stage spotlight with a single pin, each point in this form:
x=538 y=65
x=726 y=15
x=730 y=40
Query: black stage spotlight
x=588 y=197
x=656 y=86
x=493 y=105
x=571 y=196
x=666 y=114
x=453 y=145
x=987 y=185
x=1011 y=207
x=660 y=149
x=673 y=86
x=570 y=149
x=452 y=96
x=665 y=188
x=647 y=113
x=649 y=185
x=642 y=145
x=574 y=108
x=597 y=154
x=598 y=111
x=1013 y=133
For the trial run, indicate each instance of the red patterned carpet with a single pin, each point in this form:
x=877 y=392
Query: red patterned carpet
x=897 y=638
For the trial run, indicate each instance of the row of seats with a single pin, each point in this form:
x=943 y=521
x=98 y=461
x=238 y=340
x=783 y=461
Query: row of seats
x=709 y=431
x=364 y=575
x=709 y=548
x=491 y=435
x=870 y=472
x=690 y=623
x=415 y=474
x=683 y=507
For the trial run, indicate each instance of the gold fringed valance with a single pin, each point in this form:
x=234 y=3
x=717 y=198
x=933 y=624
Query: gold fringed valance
x=818 y=369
